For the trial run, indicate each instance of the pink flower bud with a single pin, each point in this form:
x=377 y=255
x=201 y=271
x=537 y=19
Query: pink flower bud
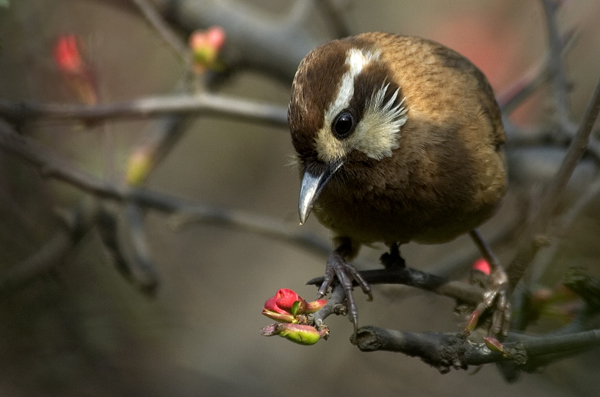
x=78 y=74
x=315 y=306
x=206 y=46
x=66 y=54
x=286 y=305
x=473 y=320
x=483 y=266
x=271 y=305
x=493 y=344
x=285 y=299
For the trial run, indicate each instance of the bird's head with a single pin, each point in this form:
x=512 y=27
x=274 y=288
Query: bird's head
x=345 y=106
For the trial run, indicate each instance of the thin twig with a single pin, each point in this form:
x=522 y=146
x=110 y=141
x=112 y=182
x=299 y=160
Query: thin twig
x=540 y=73
x=132 y=270
x=52 y=254
x=164 y=30
x=202 y=104
x=144 y=268
x=555 y=43
x=565 y=222
x=49 y=256
x=55 y=167
x=529 y=242
x=421 y=280
x=255 y=40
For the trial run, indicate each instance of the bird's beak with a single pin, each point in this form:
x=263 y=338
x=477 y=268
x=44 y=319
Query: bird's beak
x=312 y=185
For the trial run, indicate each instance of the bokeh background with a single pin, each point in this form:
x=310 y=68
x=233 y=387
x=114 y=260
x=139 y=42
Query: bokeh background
x=84 y=330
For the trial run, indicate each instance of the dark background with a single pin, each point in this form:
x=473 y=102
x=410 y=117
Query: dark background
x=83 y=329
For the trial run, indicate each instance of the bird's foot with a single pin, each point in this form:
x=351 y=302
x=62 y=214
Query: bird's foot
x=392 y=259
x=339 y=268
x=496 y=298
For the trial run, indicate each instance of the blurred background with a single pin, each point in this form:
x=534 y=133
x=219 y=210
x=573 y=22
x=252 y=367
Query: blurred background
x=82 y=329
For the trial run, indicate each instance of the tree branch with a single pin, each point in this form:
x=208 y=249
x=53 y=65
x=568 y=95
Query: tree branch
x=202 y=104
x=52 y=166
x=446 y=351
x=256 y=40
x=529 y=242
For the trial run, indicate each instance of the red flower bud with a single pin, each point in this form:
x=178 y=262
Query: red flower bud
x=66 y=54
x=483 y=266
x=76 y=71
x=271 y=305
x=285 y=299
x=287 y=304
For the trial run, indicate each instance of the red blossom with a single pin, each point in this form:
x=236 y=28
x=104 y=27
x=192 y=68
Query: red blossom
x=78 y=74
x=67 y=55
x=287 y=304
x=271 y=304
x=483 y=266
x=285 y=299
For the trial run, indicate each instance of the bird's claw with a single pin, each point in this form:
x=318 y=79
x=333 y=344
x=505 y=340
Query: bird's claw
x=346 y=274
x=496 y=297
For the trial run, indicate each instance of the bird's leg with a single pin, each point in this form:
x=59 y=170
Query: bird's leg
x=338 y=266
x=392 y=259
x=497 y=291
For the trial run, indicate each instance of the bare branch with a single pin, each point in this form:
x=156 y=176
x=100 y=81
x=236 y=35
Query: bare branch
x=529 y=242
x=188 y=211
x=540 y=73
x=565 y=222
x=164 y=30
x=446 y=351
x=47 y=258
x=139 y=273
x=52 y=254
x=561 y=89
x=256 y=40
x=421 y=280
x=202 y=104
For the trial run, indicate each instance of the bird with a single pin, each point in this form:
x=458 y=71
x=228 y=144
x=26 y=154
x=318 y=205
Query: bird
x=398 y=139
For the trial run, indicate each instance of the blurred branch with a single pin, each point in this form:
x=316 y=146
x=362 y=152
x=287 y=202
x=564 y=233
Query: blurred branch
x=52 y=254
x=590 y=196
x=138 y=272
x=530 y=243
x=54 y=167
x=556 y=65
x=49 y=256
x=539 y=74
x=164 y=30
x=270 y=44
x=421 y=280
x=201 y=104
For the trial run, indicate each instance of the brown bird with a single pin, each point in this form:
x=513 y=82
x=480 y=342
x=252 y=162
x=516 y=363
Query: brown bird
x=398 y=139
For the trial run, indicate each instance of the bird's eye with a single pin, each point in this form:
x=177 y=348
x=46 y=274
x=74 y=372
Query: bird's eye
x=343 y=125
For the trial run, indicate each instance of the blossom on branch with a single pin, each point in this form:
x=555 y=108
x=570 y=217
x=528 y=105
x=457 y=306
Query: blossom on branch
x=76 y=71
x=206 y=46
x=289 y=308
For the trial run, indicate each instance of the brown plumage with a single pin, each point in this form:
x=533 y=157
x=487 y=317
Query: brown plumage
x=399 y=139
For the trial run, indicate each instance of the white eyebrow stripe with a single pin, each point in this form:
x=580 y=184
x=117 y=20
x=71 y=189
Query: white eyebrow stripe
x=356 y=60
